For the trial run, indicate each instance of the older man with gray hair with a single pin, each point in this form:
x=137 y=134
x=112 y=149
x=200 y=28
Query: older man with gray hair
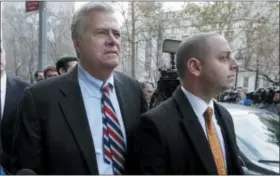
x=81 y=122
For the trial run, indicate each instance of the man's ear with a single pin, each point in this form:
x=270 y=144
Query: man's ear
x=77 y=43
x=194 y=66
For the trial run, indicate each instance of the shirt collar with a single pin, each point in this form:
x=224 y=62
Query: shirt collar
x=3 y=82
x=199 y=106
x=86 y=76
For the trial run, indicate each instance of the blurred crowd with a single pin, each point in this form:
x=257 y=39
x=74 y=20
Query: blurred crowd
x=263 y=98
x=62 y=66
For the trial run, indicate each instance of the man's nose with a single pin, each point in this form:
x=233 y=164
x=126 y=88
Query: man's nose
x=234 y=63
x=112 y=39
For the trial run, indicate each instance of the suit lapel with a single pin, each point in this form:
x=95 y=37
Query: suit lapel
x=124 y=101
x=228 y=138
x=222 y=123
x=74 y=112
x=194 y=130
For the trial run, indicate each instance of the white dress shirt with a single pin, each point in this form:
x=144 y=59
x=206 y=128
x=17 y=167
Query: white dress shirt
x=90 y=88
x=199 y=106
x=3 y=92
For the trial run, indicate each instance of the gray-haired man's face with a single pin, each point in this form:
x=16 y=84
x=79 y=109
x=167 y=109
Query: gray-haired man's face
x=100 y=44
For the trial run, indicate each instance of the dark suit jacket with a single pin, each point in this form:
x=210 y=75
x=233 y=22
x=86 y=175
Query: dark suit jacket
x=14 y=93
x=170 y=140
x=53 y=134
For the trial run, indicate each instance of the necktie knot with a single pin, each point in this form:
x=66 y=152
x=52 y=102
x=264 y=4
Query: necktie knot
x=208 y=115
x=106 y=87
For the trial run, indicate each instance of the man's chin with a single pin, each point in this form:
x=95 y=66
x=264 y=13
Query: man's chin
x=226 y=87
x=112 y=64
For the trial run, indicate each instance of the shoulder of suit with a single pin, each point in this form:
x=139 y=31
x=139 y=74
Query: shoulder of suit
x=222 y=109
x=124 y=77
x=19 y=82
x=49 y=84
x=166 y=109
x=24 y=83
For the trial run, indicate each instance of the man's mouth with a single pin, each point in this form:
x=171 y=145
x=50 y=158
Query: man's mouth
x=112 y=52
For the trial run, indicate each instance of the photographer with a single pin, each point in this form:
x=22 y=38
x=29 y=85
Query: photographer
x=169 y=78
x=148 y=90
x=257 y=97
x=242 y=98
x=267 y=99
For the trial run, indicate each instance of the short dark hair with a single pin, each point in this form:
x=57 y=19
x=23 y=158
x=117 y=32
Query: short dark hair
x=49 y=68
x=195 y=46
x=63 y=63
x=37 y=73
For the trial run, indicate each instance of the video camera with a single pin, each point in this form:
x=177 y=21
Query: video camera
x=169 y=78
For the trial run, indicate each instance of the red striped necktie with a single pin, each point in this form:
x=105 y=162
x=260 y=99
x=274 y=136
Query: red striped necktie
x=113 y=141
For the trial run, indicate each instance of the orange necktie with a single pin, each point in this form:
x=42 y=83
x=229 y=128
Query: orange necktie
x=214 y=142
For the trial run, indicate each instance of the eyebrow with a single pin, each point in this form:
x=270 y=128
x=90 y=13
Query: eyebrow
x=104 y=28
x=226 y=52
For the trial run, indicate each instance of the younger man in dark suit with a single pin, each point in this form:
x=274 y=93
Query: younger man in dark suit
x=190 y=133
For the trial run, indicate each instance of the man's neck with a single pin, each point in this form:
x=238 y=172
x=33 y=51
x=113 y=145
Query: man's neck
x=205 y=95
x=98 y=73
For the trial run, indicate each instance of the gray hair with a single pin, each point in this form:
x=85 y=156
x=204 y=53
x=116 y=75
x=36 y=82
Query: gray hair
x=195 y=46
x=79 y=18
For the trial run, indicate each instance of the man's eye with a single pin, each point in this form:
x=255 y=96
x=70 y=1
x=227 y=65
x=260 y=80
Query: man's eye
x=225 y=58
x=100 y=32
x=116 y=34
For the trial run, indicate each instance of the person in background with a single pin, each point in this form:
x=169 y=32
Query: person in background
x=12 y=90
x=81 y=123
x=39 y=76
x=273 y=105
x=50 y=72
x=190 y=133
x=148 y=89
x=276 y=100
x=65 y=64
x=242 y=98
